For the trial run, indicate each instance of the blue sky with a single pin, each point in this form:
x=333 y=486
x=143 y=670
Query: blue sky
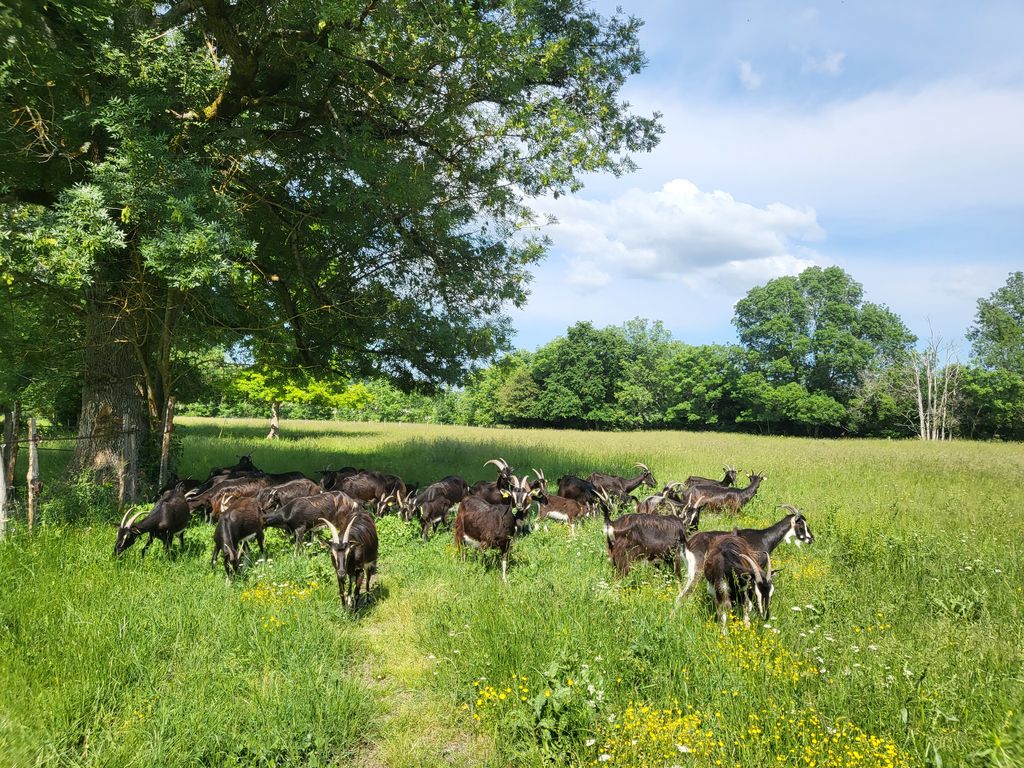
x=886 y=138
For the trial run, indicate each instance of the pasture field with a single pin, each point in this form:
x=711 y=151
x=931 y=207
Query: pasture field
x=897 y=639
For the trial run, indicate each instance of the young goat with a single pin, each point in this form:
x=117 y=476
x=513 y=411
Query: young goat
x=492 y=526
x=793 y=527
x=557 y=507
x=354 y=554
x=240 y=521
x=169 y=516
x=738 y=574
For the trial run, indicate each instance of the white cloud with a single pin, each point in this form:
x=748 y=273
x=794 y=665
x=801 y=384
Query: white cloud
x=680 y=233
x=750 y=78
x=829 y=64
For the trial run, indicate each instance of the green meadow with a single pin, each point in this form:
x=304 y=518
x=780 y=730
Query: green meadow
x=895 y=640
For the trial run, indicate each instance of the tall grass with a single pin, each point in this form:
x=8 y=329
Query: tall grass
x=896 y=639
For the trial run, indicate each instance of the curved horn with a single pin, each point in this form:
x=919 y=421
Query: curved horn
x=121 y=524
x=758 y=571
x=501 y=464
x=642 y=466
x=335 y=536
x=539 y=473
x=676 y=483
x=793 y=510
x=135 y=517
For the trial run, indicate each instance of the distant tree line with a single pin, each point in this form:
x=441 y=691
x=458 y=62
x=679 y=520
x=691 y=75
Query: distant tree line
x=813 y=358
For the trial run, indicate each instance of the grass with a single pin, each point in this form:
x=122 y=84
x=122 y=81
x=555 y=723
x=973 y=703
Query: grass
x=897 y=639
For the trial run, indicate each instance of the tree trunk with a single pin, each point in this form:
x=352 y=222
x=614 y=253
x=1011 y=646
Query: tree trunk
x=9 y=455
x=275 y=421
x=113 y=395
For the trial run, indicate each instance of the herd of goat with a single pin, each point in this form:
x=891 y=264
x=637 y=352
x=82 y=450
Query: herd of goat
x=243 y=501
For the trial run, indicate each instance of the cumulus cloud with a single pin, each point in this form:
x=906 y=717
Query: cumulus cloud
x=750 y=78
x=829 y=64
x=680 y=233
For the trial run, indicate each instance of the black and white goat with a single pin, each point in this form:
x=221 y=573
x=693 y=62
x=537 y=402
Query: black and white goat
x=354 y=554
x=736 y=573
x=556 y=507
x=792 y=528
x=169 y=517
x=493 y=526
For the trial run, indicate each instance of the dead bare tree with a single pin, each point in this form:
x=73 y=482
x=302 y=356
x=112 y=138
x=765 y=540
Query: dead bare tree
x=934 y=378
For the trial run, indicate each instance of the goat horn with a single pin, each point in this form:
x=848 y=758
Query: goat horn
x=790 y=507
x=501 y=464
x=121 y=524
x=335 y=536
x=642 y=466
x=758 y=573
x=675 y=483
x=135 y=517
x=538 y=473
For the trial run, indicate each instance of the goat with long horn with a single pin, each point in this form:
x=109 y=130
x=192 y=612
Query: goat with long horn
x=169 y=517
x=354 y=555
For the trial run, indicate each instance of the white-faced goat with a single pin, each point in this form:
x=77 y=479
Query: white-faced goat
x=728 y=480
x=559 y=508
x=620 y=488
x=493 y=526
x=240 y=522
x=354 y=554
x=793 y=527
x=736 y=573
x=169 y=517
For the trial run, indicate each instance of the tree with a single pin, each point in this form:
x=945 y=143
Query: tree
x=998 y=333
x=338 y=184
x=816 y=330
x=274 y=387
x=934 y=379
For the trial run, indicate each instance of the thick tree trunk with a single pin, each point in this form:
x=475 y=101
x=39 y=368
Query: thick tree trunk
x=113 y=394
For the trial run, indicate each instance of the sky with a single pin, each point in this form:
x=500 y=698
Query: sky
x=883 y=137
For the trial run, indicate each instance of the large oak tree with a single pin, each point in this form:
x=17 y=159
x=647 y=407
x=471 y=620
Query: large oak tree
x=333 y=184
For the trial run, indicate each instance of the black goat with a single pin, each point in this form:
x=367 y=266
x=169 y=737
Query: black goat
x=621 y=487
x=274 y=496
x=330 y=477
x=727 y=481
x=240 y=521
x=169 y=516
x=354 y=554
x=718 y=498
x=658 y=538
x=300 y=516
x=434 y=501
x=492 y=526
x=736 y=573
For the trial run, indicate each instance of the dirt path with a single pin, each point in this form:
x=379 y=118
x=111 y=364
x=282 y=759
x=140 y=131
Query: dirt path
x=416 y=727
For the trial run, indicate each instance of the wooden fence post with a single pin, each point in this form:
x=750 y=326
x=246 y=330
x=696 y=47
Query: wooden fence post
x=9 y=454
x=33 y=484
x=3 y=498
x=129 y=464
x=165 y=443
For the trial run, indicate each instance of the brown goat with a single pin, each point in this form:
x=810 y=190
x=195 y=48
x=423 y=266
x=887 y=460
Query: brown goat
x=736 y=573
x=354 y=554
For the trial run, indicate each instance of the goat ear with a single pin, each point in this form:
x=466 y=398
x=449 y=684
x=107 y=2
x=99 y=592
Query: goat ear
x=776 y=572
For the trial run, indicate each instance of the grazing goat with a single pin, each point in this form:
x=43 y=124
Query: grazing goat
x=174 y=483
x=240 y=521
x=275 y=496
x=354 y=554
x=169 y=516
x=718 y=498
x=622 y=487
x=369 y=486
x=668 y=501
x=658 y=538
x=330 y=477
x=727 y=481
x=300 y=516
x=793 y=527
x=738 y=574
x=434 y=502
x=492 y=526
x=557 y=507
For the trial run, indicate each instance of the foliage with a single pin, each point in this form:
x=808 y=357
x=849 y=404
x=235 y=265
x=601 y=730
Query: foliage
x=998 y=333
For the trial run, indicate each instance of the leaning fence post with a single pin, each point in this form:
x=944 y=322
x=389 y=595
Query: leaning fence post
x=33 y=484
x=165 y=444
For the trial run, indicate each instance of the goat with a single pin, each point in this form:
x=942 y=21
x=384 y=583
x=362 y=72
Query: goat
x=669 y=500
x=557 y=507
x=169 y=516
x=735 y=572
x=354 y=555
x=369 y=486
x=240 y=521
x=175 y=483
x=658 y=538
x=726 y=482
x=275 y=496
x=330 y=477
x=492 y=526
x=622 y=487
x=300 y=516
x=716 y=497
x=434 y=501
x=793 y=527
x=491 y=490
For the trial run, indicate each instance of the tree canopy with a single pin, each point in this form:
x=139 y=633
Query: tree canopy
x=998 y=332
x=336 y=185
